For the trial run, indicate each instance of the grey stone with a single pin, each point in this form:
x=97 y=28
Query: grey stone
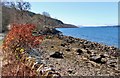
x=97 y=59
x=57 y=55
x=111 y=61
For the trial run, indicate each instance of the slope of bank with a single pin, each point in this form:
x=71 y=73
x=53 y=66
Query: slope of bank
x=11 y=15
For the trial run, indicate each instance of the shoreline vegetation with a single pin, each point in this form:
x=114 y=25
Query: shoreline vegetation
x=33 y=47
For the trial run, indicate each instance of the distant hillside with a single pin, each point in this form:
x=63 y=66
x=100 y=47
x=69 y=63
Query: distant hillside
x=66 y=26
x=11 y=15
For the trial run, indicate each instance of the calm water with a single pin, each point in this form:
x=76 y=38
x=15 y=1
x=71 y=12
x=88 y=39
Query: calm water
x=104 y=35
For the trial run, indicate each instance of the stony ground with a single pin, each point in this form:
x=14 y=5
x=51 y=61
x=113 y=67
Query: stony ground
x=76 y=57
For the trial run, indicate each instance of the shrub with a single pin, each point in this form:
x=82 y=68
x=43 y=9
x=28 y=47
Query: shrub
x=20 y=37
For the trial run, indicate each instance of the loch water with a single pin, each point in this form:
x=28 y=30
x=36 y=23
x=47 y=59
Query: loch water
x=104 y=35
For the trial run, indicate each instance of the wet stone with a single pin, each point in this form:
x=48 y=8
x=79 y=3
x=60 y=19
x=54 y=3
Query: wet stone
x=70 y=41
x=88 y=52
x=68 y=49
x=63 y=45
x=52 y=46
x=86 y=42
x=102 y=56
x=112 y=65
x=57 y=55
x=83 y=46
x=69 y=71
x=79 y=51
x=111 y=61
x=97 y=59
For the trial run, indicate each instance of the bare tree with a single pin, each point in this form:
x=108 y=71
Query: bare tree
x=23 y=6
x=20 y=5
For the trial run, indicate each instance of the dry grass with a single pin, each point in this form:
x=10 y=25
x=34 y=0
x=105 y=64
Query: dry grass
x=17 y=69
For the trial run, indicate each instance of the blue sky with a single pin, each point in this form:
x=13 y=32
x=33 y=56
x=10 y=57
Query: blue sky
x=80 y=13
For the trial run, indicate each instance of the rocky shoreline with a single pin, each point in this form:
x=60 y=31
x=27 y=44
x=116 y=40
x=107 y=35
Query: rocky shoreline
x=78 y=57
x=69 y=56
